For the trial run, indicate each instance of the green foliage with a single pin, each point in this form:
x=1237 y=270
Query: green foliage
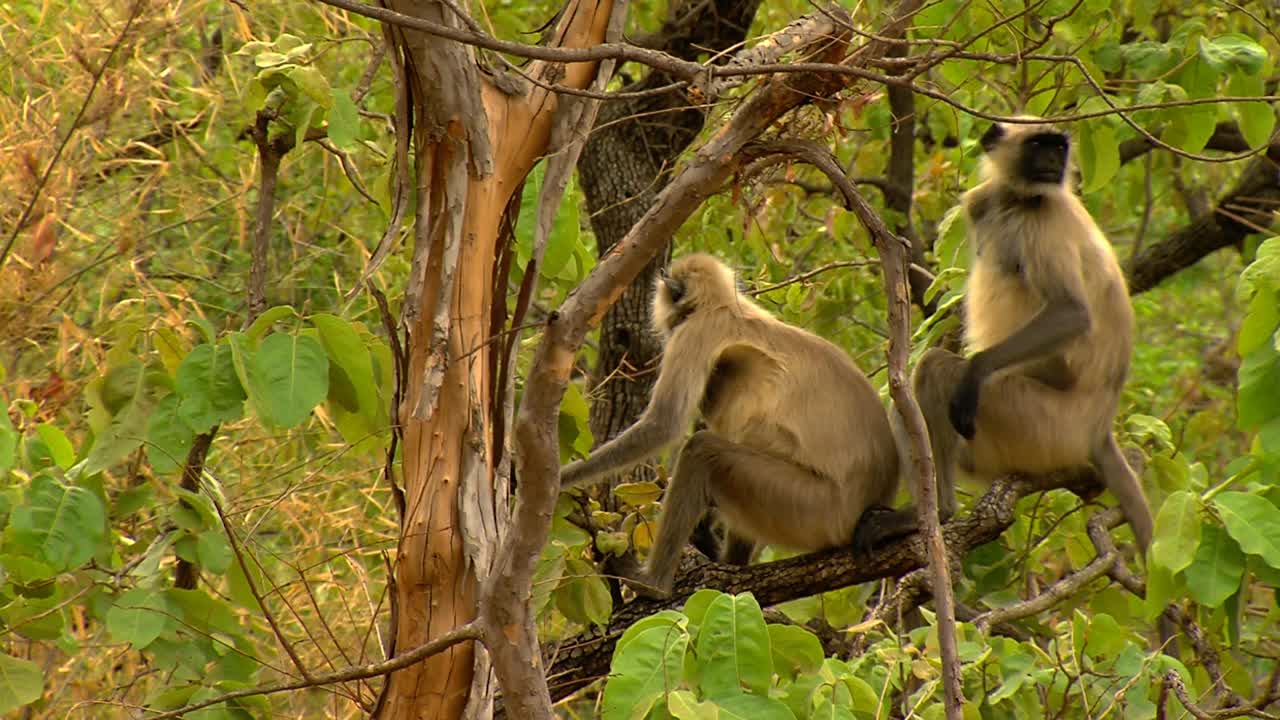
x=718 y=658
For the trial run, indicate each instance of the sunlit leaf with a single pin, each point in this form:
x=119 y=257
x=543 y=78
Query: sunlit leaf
x=290 y=374
x=1253 y=521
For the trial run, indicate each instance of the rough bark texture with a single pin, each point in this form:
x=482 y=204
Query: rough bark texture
x=625 y=165
x=473 y=146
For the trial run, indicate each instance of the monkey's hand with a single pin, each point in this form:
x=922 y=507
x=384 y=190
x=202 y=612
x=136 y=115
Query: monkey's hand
x=964 y=405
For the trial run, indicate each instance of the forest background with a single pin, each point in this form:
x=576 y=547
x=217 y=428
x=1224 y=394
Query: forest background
x=291 y=295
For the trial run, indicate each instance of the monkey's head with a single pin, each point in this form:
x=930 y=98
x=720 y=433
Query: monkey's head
x=1030 y=159
x=692 y=283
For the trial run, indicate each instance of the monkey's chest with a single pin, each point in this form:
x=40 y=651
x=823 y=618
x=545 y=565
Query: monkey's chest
x=998 y=301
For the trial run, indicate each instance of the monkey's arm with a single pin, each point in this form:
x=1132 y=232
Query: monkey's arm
x=680 y=386
x=1064 y=317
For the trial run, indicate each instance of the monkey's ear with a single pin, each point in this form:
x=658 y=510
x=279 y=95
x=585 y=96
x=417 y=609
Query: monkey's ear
x=992 y=137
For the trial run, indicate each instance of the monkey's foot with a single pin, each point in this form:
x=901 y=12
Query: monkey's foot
x=633 y=575
x=879 y=524
x=644 y=588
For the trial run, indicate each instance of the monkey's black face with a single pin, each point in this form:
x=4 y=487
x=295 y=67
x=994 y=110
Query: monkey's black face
x=1044 y=158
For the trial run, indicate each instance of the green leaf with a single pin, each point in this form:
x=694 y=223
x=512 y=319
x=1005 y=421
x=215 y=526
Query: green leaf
x=209 y=388
x=61 y=524
x=584 y=596
x=203 y=612
x=1215 y=574
x=1233 y=53
x=290 y=376
x=1254 y=522
x=1148 y=59
x=647 y=662
x=8 y=441
x=752 y=707
x=169 y=438
x=268 y=59
x=37 y=618
x=139 y=616
x=733 y=647
x=1257 y=119
x=312 y=82
x=213 y=551
x=1193 y=125
x=1099 y=155
x=21 y=683
x=344 y=120
x=638 y=494
x=684 y=705
x=1177 y=531
x=795 y=650
x=262 y=324
x=348 y=354
x=1259 y=386
x=1261 y=319
x=129 y=392
x=59 y=446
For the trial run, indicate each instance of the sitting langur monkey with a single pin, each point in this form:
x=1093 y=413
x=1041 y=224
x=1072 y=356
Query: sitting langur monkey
x=797 y=443
x=1050 y=326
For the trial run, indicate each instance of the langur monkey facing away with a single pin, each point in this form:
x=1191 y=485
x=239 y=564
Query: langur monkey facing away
x=1050 y=326
x=797 y=443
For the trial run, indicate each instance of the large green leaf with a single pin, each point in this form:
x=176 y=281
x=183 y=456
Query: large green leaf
x=1215 y=574
x=1177 y=531
x=169 y=438
x=1254 y=522
x=209 y=387
x=584 y=597
x=129 y=392
x=61 y=524
x=290 y=376
x=1233 y=53
x=752 y=707
x=647 y=663
x=139 y=616
x=21 y=683
x=795 y=650
x=356 y=405
x=1193 y=125
x=1099 y=155
x=1257 y=119
x=733 y=647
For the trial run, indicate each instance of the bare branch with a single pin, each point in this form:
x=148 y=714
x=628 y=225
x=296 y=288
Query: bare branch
x=463 y=633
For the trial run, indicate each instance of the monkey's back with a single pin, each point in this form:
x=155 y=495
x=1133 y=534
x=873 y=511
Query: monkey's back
x=999 y=300
x=786 y=391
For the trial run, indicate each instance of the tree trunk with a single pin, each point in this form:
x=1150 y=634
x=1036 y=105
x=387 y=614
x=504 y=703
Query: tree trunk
x=468 y=162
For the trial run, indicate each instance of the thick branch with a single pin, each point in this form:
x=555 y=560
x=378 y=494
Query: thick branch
x=585 y=658
x=1246 y=208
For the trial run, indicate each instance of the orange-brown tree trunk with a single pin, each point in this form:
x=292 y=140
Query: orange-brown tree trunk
x=473 y=145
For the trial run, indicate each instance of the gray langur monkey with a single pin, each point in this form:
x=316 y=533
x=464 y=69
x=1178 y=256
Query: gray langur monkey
x=797 y=444
x=1049 y=324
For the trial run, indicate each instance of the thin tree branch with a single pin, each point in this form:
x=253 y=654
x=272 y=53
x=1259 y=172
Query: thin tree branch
x=463 y=633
